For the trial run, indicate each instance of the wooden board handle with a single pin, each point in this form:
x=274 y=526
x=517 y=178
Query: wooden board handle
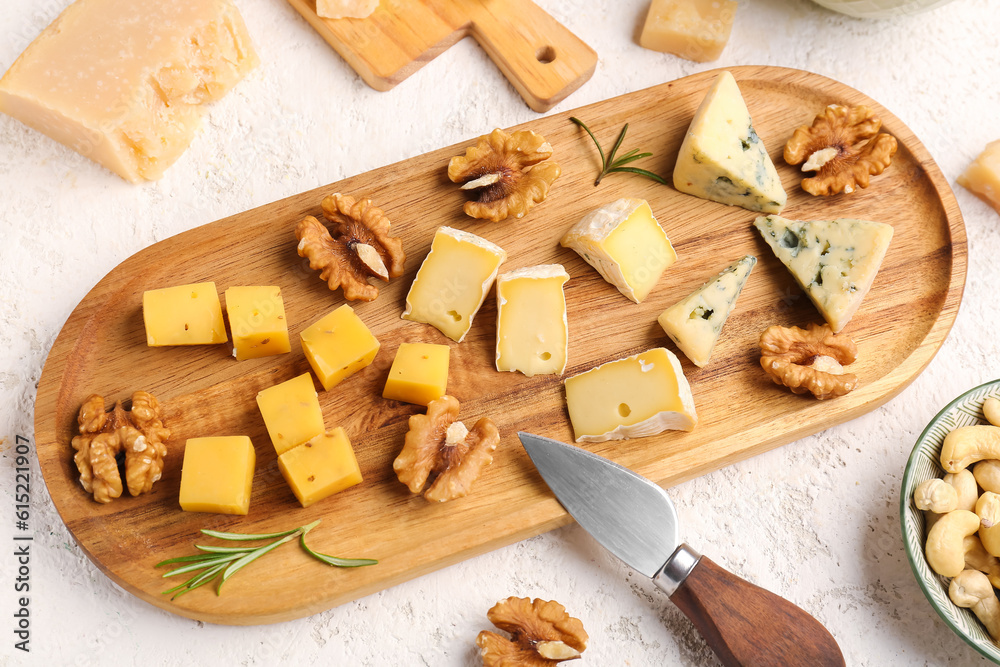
x=543 y=60
x=746 y=625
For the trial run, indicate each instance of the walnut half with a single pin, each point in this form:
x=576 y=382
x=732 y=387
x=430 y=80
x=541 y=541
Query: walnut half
x=138 y=433
x=542 y=634
x=361 y=246
x=439 y=448
x=844 y=147
x=810 y=360
x=508 y=172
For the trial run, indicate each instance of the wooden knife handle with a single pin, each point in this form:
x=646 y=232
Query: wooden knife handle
x=746 y=625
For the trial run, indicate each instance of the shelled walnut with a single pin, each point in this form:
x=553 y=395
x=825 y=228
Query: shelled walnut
x=810 y=360
x=844 y=146
x=360 y=246
x=508 y=172
x=440 y=449
x=138 y=433
x=542 y=634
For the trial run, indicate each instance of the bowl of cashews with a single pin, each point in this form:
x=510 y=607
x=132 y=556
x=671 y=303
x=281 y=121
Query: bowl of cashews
x=950 y=515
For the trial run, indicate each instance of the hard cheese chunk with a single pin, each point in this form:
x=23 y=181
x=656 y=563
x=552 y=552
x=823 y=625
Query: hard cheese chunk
x=291 y=412
x=340 y=9
x=217 y=475
x=532 y=331
x=834 y=261
x=625 y=243
x=338 y=345
x=638 y=396
x=419 y=373
x=183 y=315
x=695 y=322
x=723 y=159
x=982 y=177
x=321 y=467
x=123 y=83
x=453 y=281
x=693 y=29
x=257 y=320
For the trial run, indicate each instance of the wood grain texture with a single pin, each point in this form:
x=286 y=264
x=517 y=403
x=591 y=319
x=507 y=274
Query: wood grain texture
x=543 y=60
x=205 y=392
x=748 y=626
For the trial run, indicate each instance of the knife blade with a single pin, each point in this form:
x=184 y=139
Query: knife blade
x=635 y=520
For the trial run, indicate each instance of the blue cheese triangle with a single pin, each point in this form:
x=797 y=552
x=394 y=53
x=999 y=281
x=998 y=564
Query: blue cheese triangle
x=834 y=261
x=695 y=322
x=722 y=158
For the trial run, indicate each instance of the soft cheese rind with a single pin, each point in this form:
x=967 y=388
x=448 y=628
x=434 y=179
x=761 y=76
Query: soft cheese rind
x=695 y=322
x=625 y=243
x=834 y=261
x=124 y=83
x=722 y=158
x=532 y=328
x=638 y=396
x=453 y=281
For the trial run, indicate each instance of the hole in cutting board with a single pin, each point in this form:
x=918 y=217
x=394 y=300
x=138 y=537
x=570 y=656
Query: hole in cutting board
x=545 y=55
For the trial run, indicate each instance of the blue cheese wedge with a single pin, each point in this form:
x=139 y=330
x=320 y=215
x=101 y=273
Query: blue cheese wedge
x=834 y=261
x=638 y=396
x=625 y=243
x=695 y=322
x=722 y=158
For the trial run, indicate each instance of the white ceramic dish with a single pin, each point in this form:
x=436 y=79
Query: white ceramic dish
x=966 y=410
x=880 y=9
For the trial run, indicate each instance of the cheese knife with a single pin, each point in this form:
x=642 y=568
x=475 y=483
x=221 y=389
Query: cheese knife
x=635 y=520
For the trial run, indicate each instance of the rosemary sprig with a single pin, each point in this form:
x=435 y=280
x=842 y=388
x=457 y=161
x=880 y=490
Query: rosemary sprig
x=221 y=563
x=609 y=164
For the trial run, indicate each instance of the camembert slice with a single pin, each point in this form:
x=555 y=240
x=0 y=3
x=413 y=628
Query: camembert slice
x=834 y=261
x=634 y=397
x=532 y=330
x=625 y=243
x=453 y=281
x=722 y=158
x=694 y=323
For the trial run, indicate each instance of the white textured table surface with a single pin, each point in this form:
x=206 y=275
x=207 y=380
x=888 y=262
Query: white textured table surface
x=815 y=521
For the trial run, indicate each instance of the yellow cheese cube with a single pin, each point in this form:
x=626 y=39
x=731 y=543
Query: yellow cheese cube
x=982 y=177
x=634 y=397
x=625 y=243
x=321 y=467
x=532 y=331
x=257 y=320
x=124 y=83
x=291 y=412
x=338 y=345
x=183 y=315
x=419 y=373
x=453 y=281
x=217 y=475
x=693 y=29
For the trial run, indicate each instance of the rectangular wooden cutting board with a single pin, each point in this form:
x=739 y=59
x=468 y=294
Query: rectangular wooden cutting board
x=205 y=392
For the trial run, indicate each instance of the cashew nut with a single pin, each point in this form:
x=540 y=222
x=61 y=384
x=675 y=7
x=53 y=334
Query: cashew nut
x=988 y=510
x=991 y=410
x=972 y=589
x=944 y=549
x=976 y=558
x=987 y=474
x=968 y=444
x=965 y=487
x=935 y=495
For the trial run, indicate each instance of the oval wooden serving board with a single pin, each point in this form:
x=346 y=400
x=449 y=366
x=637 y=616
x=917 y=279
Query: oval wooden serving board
x=102 y=349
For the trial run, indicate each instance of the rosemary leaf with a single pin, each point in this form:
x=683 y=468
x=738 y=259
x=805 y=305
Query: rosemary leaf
x=609 y=164
x=248 y=536
x=238 y=565
x=333 y=560
x=205 y=563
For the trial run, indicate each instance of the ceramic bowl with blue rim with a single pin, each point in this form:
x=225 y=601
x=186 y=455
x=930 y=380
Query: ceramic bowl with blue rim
x=924 y=463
